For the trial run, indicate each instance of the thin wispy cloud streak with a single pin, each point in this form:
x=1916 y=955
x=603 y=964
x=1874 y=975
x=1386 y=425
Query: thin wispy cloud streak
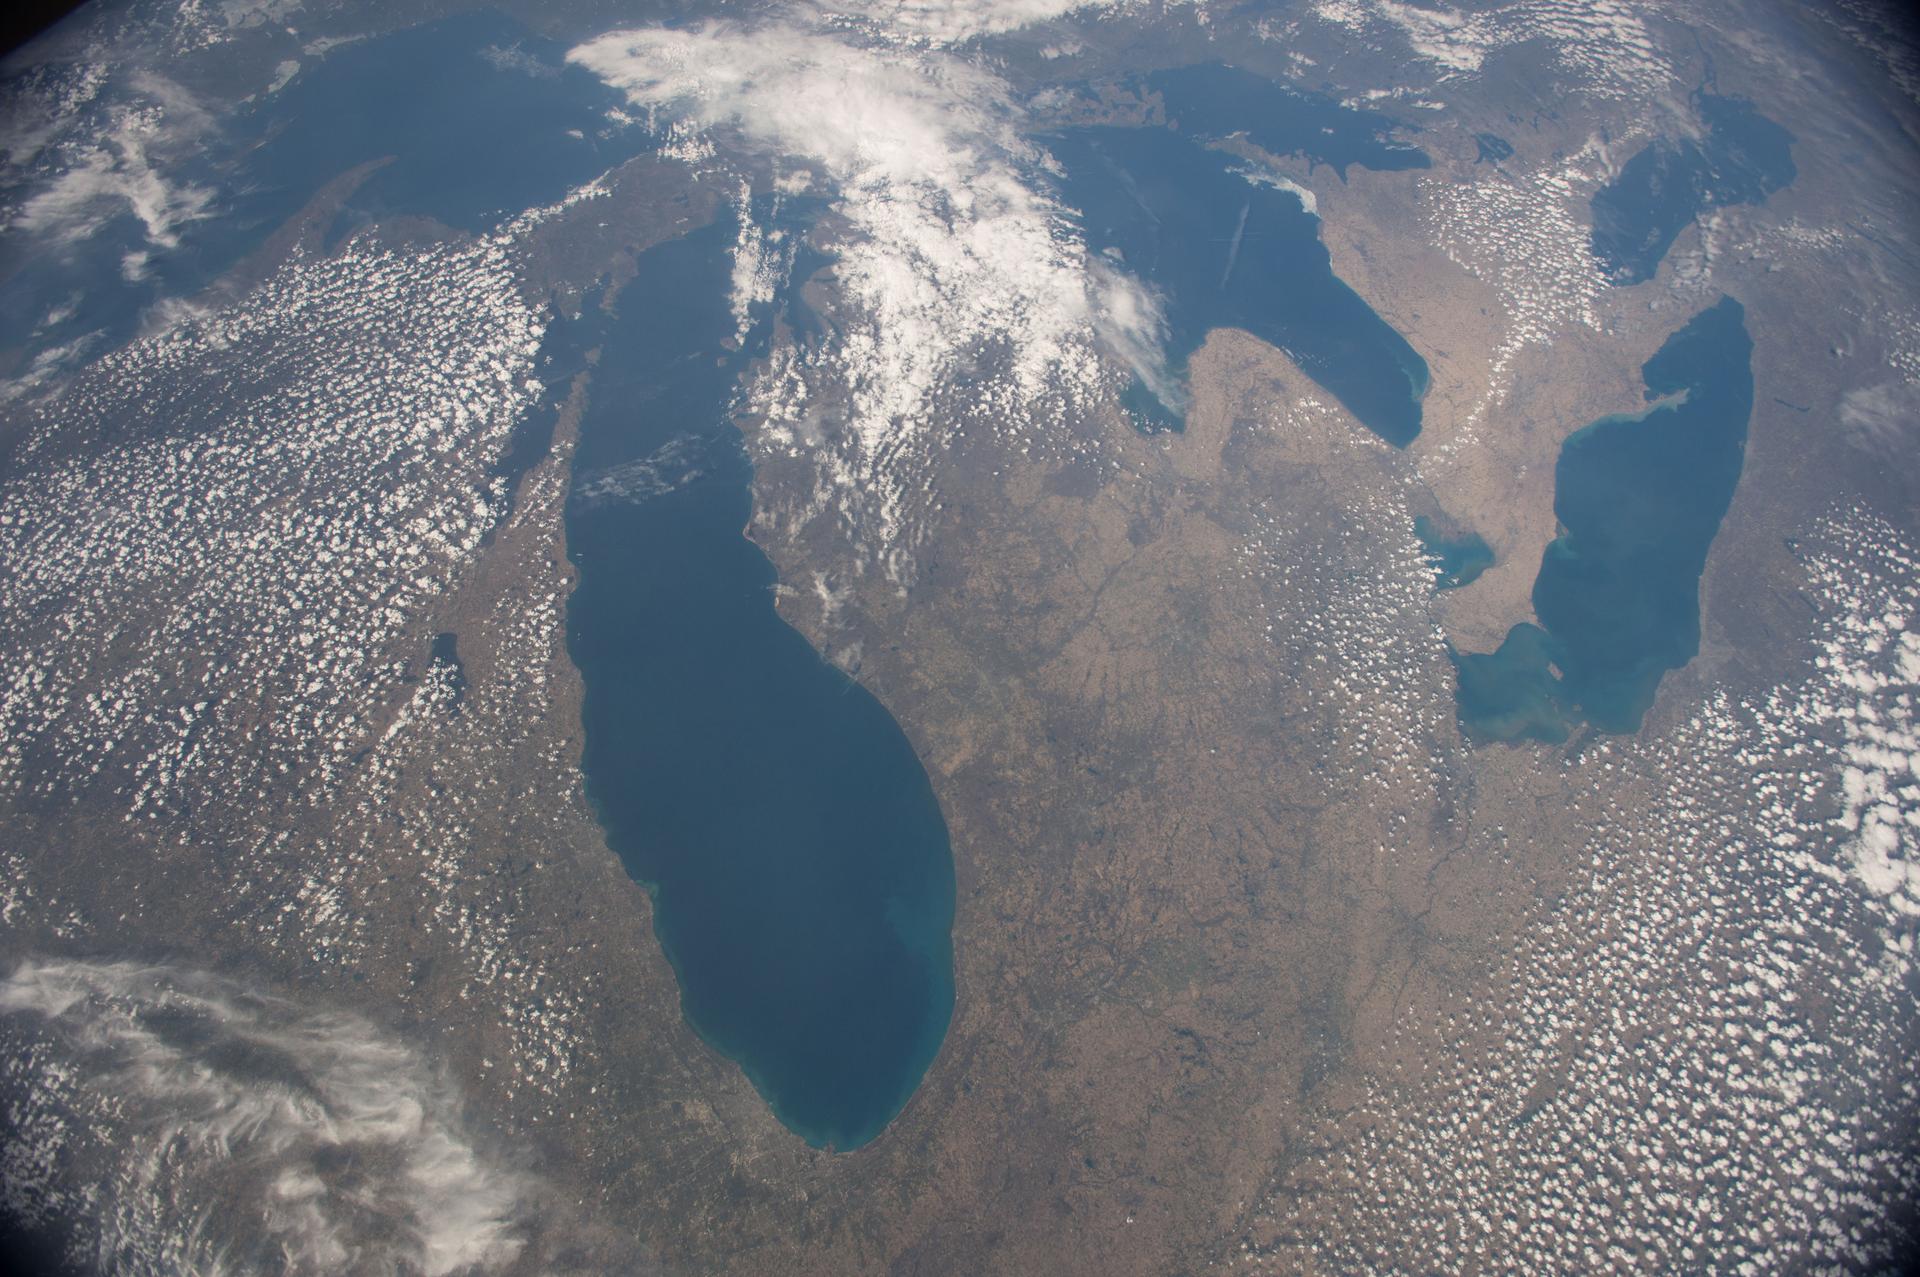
x=190 y=1124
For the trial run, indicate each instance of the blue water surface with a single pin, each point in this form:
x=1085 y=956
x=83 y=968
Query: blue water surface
x=1742 y=158
x=1226 y=248
x=1228 y=245
x=477 y=120
x=800 y=869
x=1457 y=559
x=482 y=119
x=1217 y=101
x=1639 y=500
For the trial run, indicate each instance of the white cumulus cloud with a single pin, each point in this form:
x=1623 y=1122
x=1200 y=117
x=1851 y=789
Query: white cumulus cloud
x=959 y=272
x=946 y=22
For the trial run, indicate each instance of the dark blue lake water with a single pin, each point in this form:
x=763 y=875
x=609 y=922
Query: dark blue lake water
x=1639 y=499
x=1217 y=101
x=481 y=120
x=484 y=120
x=1742 y=158
x=799 y=864
x=798 y=861
x=1227 y=251
x=1227 y=246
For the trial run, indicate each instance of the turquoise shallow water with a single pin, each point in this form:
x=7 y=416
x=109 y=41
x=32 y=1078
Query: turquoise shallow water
x=1639 y=499
x=799 y=864
x=800 y=868
x=798 y=861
